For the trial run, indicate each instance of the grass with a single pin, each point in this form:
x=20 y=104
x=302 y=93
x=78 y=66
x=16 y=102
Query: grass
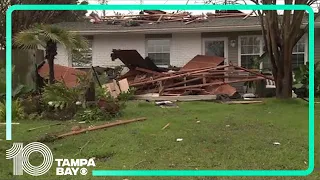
x=227 y=137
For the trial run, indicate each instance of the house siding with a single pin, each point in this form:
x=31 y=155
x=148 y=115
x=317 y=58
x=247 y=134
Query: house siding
x=184 y=47
x=63 y=58
x=104 y=44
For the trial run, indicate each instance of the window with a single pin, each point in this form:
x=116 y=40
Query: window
x=250 y=48
x=158 y=50
x=83 y=57
x=299 y=54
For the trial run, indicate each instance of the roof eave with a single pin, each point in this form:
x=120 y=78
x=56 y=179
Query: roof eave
x=179 y=29
x=173 y=30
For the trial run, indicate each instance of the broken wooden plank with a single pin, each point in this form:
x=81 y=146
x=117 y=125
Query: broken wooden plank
x=175 y=76
x=124 y=85
x=112 y=88
x=242 y=102
x=119 y=122
x=255 y=73
x=164 y=127
x=176 y=98
x=210 y=84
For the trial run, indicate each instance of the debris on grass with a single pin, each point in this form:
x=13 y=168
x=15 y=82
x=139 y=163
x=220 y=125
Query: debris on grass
x=198 y=122
x=164 y=127
x=242 y=102
x=276 y=143
x=119 y=122
x=166 y=104
x=203 y=77
x=179 y=139
x=227 y=125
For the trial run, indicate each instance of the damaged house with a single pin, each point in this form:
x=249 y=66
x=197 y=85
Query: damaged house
x=175 y=39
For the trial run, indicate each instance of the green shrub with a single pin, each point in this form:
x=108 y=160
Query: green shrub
x=91 y=114
x=17 y=111
x=126 y=96
x=59 y=92
x=302 y=78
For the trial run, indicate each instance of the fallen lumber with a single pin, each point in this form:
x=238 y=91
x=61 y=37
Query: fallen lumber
x=119 y=122
x=164 y=127
x=255 y=73
x=176 y=76
x=242 y=102
x=183 y=82
x=210 y=84
x=176 y=98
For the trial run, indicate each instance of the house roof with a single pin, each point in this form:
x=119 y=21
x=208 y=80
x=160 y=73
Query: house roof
x=212 y=25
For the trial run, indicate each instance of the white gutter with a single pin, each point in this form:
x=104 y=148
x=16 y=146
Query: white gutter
x=166 y=30
x=183 y=29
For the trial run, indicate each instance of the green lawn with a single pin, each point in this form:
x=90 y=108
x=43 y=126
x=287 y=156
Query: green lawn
x=227 y=137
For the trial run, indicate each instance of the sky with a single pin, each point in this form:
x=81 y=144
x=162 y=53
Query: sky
x=166 y=2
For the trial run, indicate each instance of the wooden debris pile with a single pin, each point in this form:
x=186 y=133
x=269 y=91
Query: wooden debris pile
x=158 y=16
x=203 y=75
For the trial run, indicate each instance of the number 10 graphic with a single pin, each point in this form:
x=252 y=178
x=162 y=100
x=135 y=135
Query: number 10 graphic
x=20 y=156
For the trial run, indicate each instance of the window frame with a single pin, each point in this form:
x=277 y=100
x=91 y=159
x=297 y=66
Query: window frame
x=160 y=38
x=239 y=48
x=306 y=49
x=225 y=41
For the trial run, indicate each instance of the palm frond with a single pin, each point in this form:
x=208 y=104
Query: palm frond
x=26 y=40
x=80 y=42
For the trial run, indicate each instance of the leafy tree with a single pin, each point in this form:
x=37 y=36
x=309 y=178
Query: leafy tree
x=280 y=32
x=24 y=19
x=48 y=36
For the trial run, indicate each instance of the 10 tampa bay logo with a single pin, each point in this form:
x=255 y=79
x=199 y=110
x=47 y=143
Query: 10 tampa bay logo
x=21 y=161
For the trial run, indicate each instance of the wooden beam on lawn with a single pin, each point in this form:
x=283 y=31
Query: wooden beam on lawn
x=210 y=84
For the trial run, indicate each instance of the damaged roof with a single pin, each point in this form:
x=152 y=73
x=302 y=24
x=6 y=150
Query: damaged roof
x=211 y=24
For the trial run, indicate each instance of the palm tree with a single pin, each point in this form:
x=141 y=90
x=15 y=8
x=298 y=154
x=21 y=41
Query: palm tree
x=48 y=36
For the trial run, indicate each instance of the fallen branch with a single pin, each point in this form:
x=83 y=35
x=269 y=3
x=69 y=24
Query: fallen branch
x=119 y=122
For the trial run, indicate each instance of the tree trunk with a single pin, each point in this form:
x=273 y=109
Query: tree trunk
x=51 y=52
x=283 y=75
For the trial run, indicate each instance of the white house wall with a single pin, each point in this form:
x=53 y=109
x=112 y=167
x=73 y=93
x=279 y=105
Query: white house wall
x=62 y=57
x=103 y=45
x=184 y=47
